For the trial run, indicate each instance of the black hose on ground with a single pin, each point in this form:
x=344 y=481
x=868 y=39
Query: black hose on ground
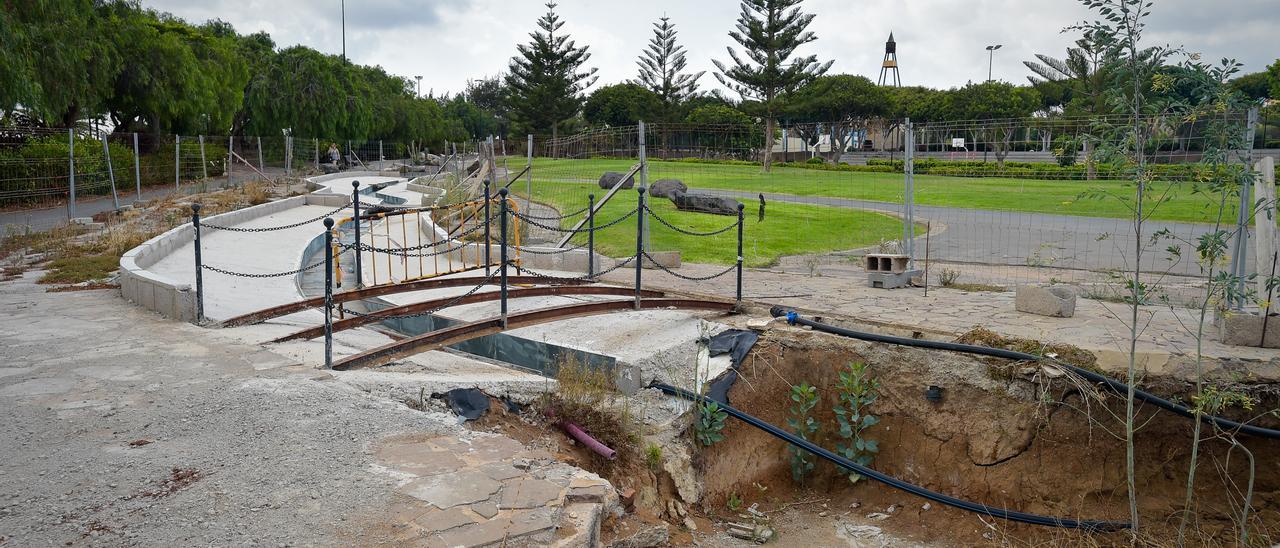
x=1002 y=513
x=1112 y=384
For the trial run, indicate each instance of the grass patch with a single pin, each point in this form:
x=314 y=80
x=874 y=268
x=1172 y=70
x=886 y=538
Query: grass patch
x=788 y=229
x=973 y=288
x=73 y=270
x=1061 y=197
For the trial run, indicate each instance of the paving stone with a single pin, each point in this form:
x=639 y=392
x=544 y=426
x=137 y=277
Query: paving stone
x=501 y=471
x=528 y=493
x=587 y=493
x=437 y=521
x=486 y=509
x=449 y=490
x=420 y=459
x=503 y=528
x=494 y=448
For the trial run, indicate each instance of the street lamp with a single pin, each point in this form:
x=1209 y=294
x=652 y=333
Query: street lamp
x=419 y=78
x=991 y=52
x=344 y=30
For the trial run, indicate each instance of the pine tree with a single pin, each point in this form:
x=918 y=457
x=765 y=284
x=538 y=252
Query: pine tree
x=662 y=66
x=770 y=31
x=546 y=79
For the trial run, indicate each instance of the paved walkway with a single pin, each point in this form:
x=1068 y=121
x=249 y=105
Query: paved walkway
x=123 y=428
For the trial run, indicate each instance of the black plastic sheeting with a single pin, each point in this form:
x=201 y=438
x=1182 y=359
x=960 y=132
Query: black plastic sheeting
x=737 y=343
x=468 y=403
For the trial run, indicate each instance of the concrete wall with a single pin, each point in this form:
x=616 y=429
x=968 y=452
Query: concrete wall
x=172 y=298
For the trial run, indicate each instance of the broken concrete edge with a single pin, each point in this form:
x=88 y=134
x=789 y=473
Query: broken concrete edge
x=174 y=299
x=313 y=183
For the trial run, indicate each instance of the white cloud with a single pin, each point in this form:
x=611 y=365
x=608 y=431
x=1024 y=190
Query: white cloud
x=940 y=42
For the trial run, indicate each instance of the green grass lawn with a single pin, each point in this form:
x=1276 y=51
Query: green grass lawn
x=823 y=228
x=1042 y=196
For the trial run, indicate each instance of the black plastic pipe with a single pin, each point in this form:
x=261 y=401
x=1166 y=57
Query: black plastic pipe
x=1002 y=513
x=1112 y=384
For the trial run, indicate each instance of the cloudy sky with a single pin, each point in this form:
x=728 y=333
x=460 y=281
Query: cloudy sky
x=940 y=42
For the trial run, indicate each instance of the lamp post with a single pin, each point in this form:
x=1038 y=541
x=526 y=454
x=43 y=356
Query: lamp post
x=991 y=52
x=419 y=79
x=344 y=31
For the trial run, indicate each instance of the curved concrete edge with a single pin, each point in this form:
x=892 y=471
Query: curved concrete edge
x=171 y=298
x=313 y=183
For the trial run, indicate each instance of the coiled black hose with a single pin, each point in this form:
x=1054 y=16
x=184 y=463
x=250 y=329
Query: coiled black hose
x=1002 y=513
x=1112 y=384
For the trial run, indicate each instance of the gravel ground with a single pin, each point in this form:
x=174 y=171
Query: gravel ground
x=126 y=429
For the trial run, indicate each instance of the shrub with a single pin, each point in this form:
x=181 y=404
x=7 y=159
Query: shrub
x=858 y=391
x=804 y=398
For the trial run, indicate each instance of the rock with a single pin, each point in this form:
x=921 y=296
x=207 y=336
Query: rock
x=689 y=524
x=1058 y=301
x=434 y=160
x=628 y=499
x=329 y=168
x=647 y=537
x=666 y=188
x=877 y=516
x=611 y=178
x=705 y=204
x=1242 y=329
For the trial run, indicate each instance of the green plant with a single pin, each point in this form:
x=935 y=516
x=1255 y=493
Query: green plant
x=710 y=423
x=735 y=502
x=804 y=399
x=653 y=456
x=858 y=391
x=948 y=277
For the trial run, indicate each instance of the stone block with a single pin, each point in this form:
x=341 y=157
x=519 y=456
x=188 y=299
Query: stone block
x=1241 y=329
x=891 y=280
x=669 y=259
x=666 y=188
x=611 y=178
x=714 y=205
x=1058 y=301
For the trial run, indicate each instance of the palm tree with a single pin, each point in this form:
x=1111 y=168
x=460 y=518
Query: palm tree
x=1083 y=73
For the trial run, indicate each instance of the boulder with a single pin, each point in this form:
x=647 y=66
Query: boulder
x=666 y=188
x=434 y=160
x=611 y=178
x=705 y=204
x=1058 y=301
x=330 y=168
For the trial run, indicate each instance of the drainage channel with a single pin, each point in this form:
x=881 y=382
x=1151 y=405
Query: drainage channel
x=525 y=354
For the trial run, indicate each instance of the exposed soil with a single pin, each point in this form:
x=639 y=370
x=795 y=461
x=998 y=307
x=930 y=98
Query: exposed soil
x=1020 y=440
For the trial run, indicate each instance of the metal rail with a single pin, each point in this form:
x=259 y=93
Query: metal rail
x=415 y=308
x=439 y=338
x=385 y=289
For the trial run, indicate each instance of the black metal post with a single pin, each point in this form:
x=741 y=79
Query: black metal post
x=488 y=240
x=738 y=296
x=195 y=224
x=591 y=235
x=502 y=229
x=328 y=293
x=355 y=218
x=639 y=240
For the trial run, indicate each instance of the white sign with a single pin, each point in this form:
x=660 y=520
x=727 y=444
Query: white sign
x=957 y=142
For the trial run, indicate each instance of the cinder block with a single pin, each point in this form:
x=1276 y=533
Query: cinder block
x=1058 y=301
x=668 y=259
x=886 y=262
x=891 y=280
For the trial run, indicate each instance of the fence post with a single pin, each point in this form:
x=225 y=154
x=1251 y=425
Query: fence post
x=502 y=228
x=639 y=240
x=262 y=166
x=317 y=140
x=909 y=199
x=195 y=225
x=380 y=157
x=488 y=240
x=137 y=168
x=644 y=177
x=71 y=170
x=738 y=295
x=355 y=218
x=177 y=163
x=106 y=153
x=1240 y=258
x=457 y=177
x=328 y=293
x=204 y=165
x=231 y=160
x=591 y=235
x=528 y=181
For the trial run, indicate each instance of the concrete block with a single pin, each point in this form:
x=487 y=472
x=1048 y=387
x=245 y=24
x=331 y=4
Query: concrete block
x=668 y=259
x=1058 y=301
x=1242 y=329
x=891 y=280
x=886 y=262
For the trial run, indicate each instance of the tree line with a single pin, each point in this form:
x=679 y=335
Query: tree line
x=65 y=61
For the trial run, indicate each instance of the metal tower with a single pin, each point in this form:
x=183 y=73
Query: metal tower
x=890 y=62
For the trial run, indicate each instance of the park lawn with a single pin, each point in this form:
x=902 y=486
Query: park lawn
x=1000 y=194
x=823 y=228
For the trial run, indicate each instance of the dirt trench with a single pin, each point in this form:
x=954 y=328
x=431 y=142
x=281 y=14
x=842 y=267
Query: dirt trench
x=1003 y=434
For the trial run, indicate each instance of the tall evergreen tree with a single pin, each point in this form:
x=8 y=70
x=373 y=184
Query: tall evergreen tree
x=769 y=32
x=662 y=67
x=546 y=79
